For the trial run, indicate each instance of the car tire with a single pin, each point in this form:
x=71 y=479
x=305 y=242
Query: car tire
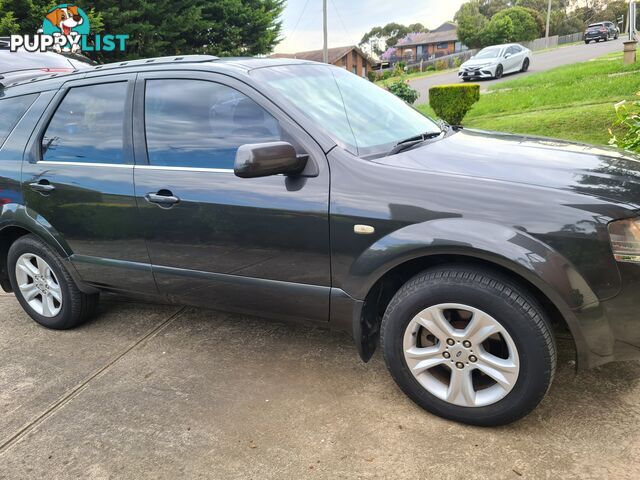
x=525 y=65
x=499 y=72
x=506 y=308
x=44 y=287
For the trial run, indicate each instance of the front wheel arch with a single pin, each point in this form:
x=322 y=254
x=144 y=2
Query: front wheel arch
x=367 y=324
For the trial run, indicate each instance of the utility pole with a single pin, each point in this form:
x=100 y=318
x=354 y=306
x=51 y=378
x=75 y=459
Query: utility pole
x=325 y=48
x=548 y=23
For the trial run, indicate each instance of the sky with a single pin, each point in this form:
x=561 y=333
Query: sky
x=349 y=20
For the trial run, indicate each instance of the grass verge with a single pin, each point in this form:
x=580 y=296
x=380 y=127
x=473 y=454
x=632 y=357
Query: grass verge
x=573 y=102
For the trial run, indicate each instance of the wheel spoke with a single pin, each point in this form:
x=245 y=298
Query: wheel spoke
x=29 y=291
x=56 y=294
x=421 y=359
x=481 y=327
x=47 y=306
x=503 y=371
x=434 y=321
x=460 y=391
x=27 y=267
x=42 y=266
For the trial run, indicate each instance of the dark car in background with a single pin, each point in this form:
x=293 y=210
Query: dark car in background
x=601 y=31
x=23 y=65
x=297 y=190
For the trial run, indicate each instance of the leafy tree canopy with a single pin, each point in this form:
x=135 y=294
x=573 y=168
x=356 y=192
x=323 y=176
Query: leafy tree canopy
x=379 y=39
x=163 y=27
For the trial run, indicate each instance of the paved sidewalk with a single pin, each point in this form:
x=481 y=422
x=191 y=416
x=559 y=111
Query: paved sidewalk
x=148 y=391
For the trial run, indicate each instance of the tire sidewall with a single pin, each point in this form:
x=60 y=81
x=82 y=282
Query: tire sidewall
x=532 y=380
x=32 y=247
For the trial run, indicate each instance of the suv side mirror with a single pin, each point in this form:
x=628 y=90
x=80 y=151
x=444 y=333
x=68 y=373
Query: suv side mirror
x=265 y=159
x=507 y=55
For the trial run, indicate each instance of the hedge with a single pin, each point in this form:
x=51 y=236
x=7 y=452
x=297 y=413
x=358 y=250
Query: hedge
x=452 y=102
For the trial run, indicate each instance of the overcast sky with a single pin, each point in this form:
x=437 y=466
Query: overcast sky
x=350 y=19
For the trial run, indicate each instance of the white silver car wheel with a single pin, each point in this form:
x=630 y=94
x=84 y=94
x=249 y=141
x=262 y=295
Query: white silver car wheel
x=461 y=355
x=38 y=285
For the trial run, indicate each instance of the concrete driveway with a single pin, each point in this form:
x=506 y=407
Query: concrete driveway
x=147 y=391
x=539 y=63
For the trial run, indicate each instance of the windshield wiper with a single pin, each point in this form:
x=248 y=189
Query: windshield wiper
x=410 y=142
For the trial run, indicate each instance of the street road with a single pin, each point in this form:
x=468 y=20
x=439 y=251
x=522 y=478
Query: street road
x=539 y=63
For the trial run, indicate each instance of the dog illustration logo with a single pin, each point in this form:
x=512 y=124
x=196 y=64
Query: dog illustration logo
x=68 y=20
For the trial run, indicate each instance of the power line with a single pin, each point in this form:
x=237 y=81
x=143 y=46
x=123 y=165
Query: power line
x=344 y=27
x=299 y=18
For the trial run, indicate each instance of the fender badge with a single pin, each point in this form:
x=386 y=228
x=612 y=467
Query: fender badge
x=363 y=229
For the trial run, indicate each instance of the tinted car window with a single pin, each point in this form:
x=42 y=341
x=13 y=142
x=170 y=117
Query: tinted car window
x=88 y=126
x=201 y=124
x=11 y=111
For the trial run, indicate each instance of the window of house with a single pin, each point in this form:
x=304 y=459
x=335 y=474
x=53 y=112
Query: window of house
x=88 y=126
x=11 y=112
x=442 y=45
x=201 y=124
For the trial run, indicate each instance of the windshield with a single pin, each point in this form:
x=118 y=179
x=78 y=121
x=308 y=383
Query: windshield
x=358 y=115
x=489 y=52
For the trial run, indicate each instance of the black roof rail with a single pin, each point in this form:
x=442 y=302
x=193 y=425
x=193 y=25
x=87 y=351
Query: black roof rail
x=155 y=61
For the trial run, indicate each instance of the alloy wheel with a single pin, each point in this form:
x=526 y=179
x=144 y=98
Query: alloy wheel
x=39 y=285
x=461 y=355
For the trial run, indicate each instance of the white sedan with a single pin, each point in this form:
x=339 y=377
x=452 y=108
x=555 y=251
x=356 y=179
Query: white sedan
x=495 y=61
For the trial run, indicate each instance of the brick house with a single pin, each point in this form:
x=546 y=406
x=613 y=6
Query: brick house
x=350 y=58
x=425 y=46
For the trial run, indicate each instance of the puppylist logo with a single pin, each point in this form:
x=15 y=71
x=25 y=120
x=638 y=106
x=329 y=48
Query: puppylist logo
x=66 y=28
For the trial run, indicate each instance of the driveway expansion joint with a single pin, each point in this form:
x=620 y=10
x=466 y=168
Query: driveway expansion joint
x=5 y=445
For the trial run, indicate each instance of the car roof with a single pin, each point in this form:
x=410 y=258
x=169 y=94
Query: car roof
x=240 y=65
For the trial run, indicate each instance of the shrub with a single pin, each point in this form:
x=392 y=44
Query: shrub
x=431 y=68
x=628 y=121
x=386 y=75
x=457 y=62
x=372 y=75
x=441 y=65
x=404 y=91
x=452 y=102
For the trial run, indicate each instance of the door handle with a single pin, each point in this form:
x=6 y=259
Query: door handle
x=43 y=186
x=164 y=198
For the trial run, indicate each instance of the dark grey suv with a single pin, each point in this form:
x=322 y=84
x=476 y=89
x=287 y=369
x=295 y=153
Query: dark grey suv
x=300 y=191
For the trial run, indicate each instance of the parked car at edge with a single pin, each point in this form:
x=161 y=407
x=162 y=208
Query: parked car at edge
x=495 y=61
x=23 y=65
x=601 y=31
x=297 y=190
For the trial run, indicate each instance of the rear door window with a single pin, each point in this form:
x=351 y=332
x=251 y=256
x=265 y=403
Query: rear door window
x=88 y=126
x=201 y=124
x=11 y=111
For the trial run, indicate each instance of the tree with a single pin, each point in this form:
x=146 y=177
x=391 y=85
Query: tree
x=523 y=24
x=8 y=23
x=166 y=27
x=379 y=39
x=489 y=8
x=499 y=30
x=471 y=24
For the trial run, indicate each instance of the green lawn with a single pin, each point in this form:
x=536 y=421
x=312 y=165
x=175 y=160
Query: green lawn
x=574 y=102
x=410 y=76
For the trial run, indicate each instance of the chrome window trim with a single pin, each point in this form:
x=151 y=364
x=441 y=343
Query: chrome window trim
x=185 y=169
x=84 y=164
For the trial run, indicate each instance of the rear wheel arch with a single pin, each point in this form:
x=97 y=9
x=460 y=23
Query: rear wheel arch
x=367 y=326
x=8 y=236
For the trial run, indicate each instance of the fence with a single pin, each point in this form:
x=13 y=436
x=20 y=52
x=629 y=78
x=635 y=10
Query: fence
x=541 y=43
x=573 y=38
